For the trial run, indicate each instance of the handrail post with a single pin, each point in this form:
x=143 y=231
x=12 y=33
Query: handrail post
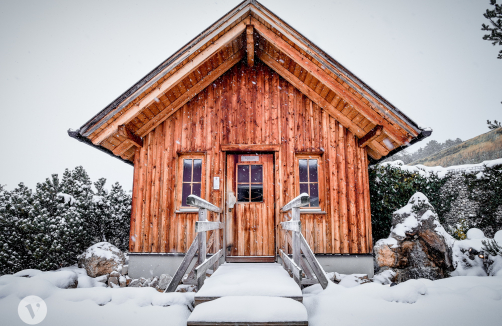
x=202 y=246
x=296 y=237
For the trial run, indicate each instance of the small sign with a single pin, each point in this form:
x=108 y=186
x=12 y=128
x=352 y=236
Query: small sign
x=249 y=159
x=216 y=183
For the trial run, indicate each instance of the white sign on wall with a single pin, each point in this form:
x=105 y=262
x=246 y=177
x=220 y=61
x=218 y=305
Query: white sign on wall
x=249 y=159
x=216 y=183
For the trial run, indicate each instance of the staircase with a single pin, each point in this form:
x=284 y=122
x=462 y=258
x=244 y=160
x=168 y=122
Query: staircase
x=249 y=293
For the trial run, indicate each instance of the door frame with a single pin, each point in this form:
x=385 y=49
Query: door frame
x=251 y=150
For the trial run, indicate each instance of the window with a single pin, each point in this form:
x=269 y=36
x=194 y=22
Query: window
x=309 y=179
x=191 y=178
x=249 y=183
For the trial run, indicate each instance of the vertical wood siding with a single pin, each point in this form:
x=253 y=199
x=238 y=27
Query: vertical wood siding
x=252 y=106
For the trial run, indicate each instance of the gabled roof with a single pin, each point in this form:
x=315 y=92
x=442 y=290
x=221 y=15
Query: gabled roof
x=249 y=30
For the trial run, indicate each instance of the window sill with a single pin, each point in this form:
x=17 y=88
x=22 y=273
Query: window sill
x=312 y=211
x=187 y=210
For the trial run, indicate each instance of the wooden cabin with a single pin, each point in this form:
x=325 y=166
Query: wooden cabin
x=248 y=115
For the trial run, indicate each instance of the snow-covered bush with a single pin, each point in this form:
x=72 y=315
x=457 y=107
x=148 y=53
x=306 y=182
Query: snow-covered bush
x=478 y=255
x=462 y=200
x=391 y=187
x=48 y=228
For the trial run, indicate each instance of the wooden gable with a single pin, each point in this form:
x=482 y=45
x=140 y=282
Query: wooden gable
x=249 y=32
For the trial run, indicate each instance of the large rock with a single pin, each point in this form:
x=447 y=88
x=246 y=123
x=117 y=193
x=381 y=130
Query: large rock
x=164 y=281
x=100 y=259
x=418 y=246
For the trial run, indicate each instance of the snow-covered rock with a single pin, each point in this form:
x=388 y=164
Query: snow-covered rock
x=101 y=258
x=164 y=281
x=418 y=246
x=135 y=283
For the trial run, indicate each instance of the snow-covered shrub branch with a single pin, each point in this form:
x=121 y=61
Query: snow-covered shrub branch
x=49 y=227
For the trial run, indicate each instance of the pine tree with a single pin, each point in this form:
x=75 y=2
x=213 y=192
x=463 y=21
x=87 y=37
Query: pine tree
x=119 y=205
x=493 y=125
x=49 y=228
x=15 y=209
x=495 y=27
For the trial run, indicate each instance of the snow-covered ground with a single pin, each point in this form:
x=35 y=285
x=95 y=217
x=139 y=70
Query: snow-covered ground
x=90 y=304
x=462 y=300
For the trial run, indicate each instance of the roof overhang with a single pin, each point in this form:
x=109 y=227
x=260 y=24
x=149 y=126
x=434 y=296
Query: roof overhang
x=250 y=30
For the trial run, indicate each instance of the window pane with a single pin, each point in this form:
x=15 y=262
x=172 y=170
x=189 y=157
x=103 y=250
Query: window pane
x=185 y=193
x=256 y=193
x=303 y=171
x=197 y=170
x=196 y=189
x=313 y=170
x=304 y=188
x=243 y=192
x=187 y=170
x=314 y=195
x=243 y=173
x=256 y=173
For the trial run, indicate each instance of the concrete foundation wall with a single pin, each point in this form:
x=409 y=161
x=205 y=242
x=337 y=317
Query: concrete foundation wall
x=149 y=265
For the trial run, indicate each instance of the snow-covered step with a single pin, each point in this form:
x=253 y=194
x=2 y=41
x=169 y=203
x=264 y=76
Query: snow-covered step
x=249 y=310
x=249 y=279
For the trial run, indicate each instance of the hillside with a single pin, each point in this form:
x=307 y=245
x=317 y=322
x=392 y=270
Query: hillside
x=481 y=148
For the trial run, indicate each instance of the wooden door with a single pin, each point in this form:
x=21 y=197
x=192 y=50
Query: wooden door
x=250 y=223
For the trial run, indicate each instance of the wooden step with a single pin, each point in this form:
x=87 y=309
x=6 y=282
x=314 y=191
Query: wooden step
x=249 y=310
x=200 y=300
x=249 y=279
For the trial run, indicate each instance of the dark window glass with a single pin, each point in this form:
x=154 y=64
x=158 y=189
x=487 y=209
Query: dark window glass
x=256 y=173
x=256 y=193
x=243 y=192
x=314 y=195
x=186 y=192
x=196 y=189
x=312 y=170
x=304 y=177
x=243 y=173
x=187 y=170
x=250 y=183
x=309 y=180
x=304 y=188
x=197 y=170
x=192 y=178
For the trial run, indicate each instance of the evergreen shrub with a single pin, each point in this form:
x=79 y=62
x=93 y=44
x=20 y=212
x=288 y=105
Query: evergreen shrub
x=391 y=187
x=48 y=228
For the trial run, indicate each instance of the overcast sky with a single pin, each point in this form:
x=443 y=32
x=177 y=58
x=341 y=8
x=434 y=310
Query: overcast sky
x=63 y=61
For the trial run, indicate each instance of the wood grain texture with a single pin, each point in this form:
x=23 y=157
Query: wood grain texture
x=254 y=109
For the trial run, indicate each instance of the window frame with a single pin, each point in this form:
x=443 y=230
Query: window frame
x=250 y=182
x=179 y=179
x=320 y=179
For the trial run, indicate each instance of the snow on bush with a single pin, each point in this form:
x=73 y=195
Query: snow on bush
x=48 y=228
x=471 y=258
x=464 y=197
